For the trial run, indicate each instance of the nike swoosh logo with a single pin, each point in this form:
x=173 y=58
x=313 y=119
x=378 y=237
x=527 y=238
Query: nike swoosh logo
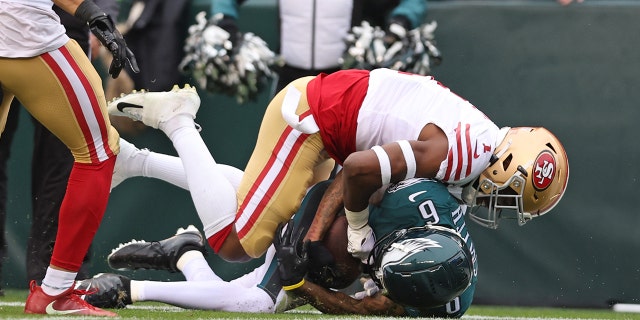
x=51 y=310
x=475 y=152
x=122 y=105
x=412 y=197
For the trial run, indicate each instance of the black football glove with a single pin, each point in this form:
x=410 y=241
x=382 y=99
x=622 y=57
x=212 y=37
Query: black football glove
x=322 y=269
x=104 y=29
x=292 y=256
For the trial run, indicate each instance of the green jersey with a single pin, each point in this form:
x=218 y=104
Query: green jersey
x=417 y=202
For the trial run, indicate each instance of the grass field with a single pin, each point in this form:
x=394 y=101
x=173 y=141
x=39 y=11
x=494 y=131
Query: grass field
x=12 y=305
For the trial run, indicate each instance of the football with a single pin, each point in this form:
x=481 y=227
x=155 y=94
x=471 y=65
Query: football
x=336 y=241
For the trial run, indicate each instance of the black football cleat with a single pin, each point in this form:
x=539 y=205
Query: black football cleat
x=156 y=255
x=106 y=290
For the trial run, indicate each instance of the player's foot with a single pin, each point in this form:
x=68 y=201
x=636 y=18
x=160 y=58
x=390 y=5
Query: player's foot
x=128 y=159
x=153 y=108
x=106 y=290
x=158 y=255
x=66 y=303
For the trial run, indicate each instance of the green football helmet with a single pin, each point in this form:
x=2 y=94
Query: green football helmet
x=422 y=267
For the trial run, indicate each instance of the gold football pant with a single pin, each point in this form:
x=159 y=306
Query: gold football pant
x=283 y=165
x=62 y=91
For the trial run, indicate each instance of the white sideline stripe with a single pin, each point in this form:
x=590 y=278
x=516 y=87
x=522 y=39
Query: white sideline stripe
x=520 y=318
x=626 y=307
x=163 y=308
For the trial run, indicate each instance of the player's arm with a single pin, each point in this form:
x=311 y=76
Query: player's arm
x=366 y=171
x=103 y=27
x=335 y=302
x=69 y=6
x=292 y=267
x=330 y=204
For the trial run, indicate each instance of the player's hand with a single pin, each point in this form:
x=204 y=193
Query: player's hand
x=292 y=256
x=360 y=242
x=102 y=26
x=322 y=269
x=369 y=288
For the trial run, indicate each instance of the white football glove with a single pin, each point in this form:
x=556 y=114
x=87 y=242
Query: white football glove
x=360 y=242
x=369 y=288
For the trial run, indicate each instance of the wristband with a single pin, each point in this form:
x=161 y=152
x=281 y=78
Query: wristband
x=409 y=158
x=293 y=286
x=357 y=220
x=385 y=164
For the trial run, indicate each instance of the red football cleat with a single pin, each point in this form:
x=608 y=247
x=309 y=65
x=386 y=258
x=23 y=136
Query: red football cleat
x=66 y=303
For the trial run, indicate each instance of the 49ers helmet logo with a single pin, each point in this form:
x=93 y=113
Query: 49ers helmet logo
x=544 y=170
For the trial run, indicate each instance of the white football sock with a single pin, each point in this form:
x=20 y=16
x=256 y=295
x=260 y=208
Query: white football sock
x=129 y=162
x=134 y=162
x=57 y=281
x=194 y=267
x=165 y=167
x=207 y=295
x=213 y=195
x=168 y=168
x=238 y=295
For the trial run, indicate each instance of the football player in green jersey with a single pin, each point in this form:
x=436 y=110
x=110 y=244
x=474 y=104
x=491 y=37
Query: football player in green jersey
x=424 y=261
x=423 y=265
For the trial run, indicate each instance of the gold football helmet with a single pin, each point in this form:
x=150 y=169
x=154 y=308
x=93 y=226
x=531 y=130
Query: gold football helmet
x=528 y=173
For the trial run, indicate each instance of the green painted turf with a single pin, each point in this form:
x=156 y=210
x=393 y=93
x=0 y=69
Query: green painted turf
x=12 y=304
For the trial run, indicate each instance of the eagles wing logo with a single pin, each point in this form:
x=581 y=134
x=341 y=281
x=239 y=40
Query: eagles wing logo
x=544 y=170
x=416 y=245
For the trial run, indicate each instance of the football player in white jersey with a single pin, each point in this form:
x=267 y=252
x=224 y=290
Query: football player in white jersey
x=55 y=81
x=381 y=126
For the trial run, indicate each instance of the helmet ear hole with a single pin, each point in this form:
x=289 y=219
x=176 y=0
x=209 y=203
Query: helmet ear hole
x=507 y=162
x=493 y=160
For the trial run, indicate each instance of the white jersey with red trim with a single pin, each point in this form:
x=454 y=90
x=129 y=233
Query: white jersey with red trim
x=398 y=105
x=29 y=28
x=356 y=110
